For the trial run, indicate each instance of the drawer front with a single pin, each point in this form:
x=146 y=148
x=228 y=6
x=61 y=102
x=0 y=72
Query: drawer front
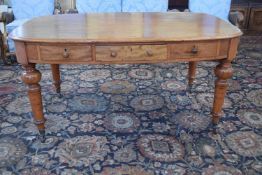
x=146 y=52
x=65 y=53
x=110 y=53
x=189 y=50
x=131 y=53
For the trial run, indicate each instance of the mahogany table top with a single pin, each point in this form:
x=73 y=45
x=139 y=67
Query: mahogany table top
x=125 y=27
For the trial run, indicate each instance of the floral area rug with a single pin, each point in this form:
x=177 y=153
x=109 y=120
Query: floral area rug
x=135 y=120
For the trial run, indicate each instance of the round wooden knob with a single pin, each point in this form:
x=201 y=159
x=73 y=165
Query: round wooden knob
x=113 y=54
x=149 y=53
x=194 y=50
x=65 y=54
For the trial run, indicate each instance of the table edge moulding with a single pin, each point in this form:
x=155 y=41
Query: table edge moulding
x=120 y=38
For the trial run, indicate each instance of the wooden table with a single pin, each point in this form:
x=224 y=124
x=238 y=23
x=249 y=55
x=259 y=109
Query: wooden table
x=120 y=38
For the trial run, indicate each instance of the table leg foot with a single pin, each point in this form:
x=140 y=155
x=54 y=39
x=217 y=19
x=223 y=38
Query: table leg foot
x=223 y=72
x=42 y=137
x=191 y=74
x=31 y=78
x=189 y=88
x=59 y=95
x=56 y=77
x=215 y=129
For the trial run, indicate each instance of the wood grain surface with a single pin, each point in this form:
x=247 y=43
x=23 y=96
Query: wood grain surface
x=125 y=27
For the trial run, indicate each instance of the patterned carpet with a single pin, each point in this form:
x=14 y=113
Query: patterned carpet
x=135 y=120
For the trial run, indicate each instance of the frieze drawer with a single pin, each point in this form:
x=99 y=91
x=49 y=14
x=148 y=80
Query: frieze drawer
x=131 y=53
x=202 y=50
x=65 y=53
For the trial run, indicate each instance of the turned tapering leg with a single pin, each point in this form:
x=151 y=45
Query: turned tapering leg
x=31 y=77
x=223 y=71
x=191 y=74
x=56 y=77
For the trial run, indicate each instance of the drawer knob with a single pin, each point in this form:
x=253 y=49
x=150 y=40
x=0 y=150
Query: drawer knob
x=65 y=54
x=194 y=50
x=149 y=53
x=113 y=54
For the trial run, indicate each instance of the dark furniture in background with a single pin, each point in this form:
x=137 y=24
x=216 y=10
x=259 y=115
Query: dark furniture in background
x=251 y=11
x=178 y=4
